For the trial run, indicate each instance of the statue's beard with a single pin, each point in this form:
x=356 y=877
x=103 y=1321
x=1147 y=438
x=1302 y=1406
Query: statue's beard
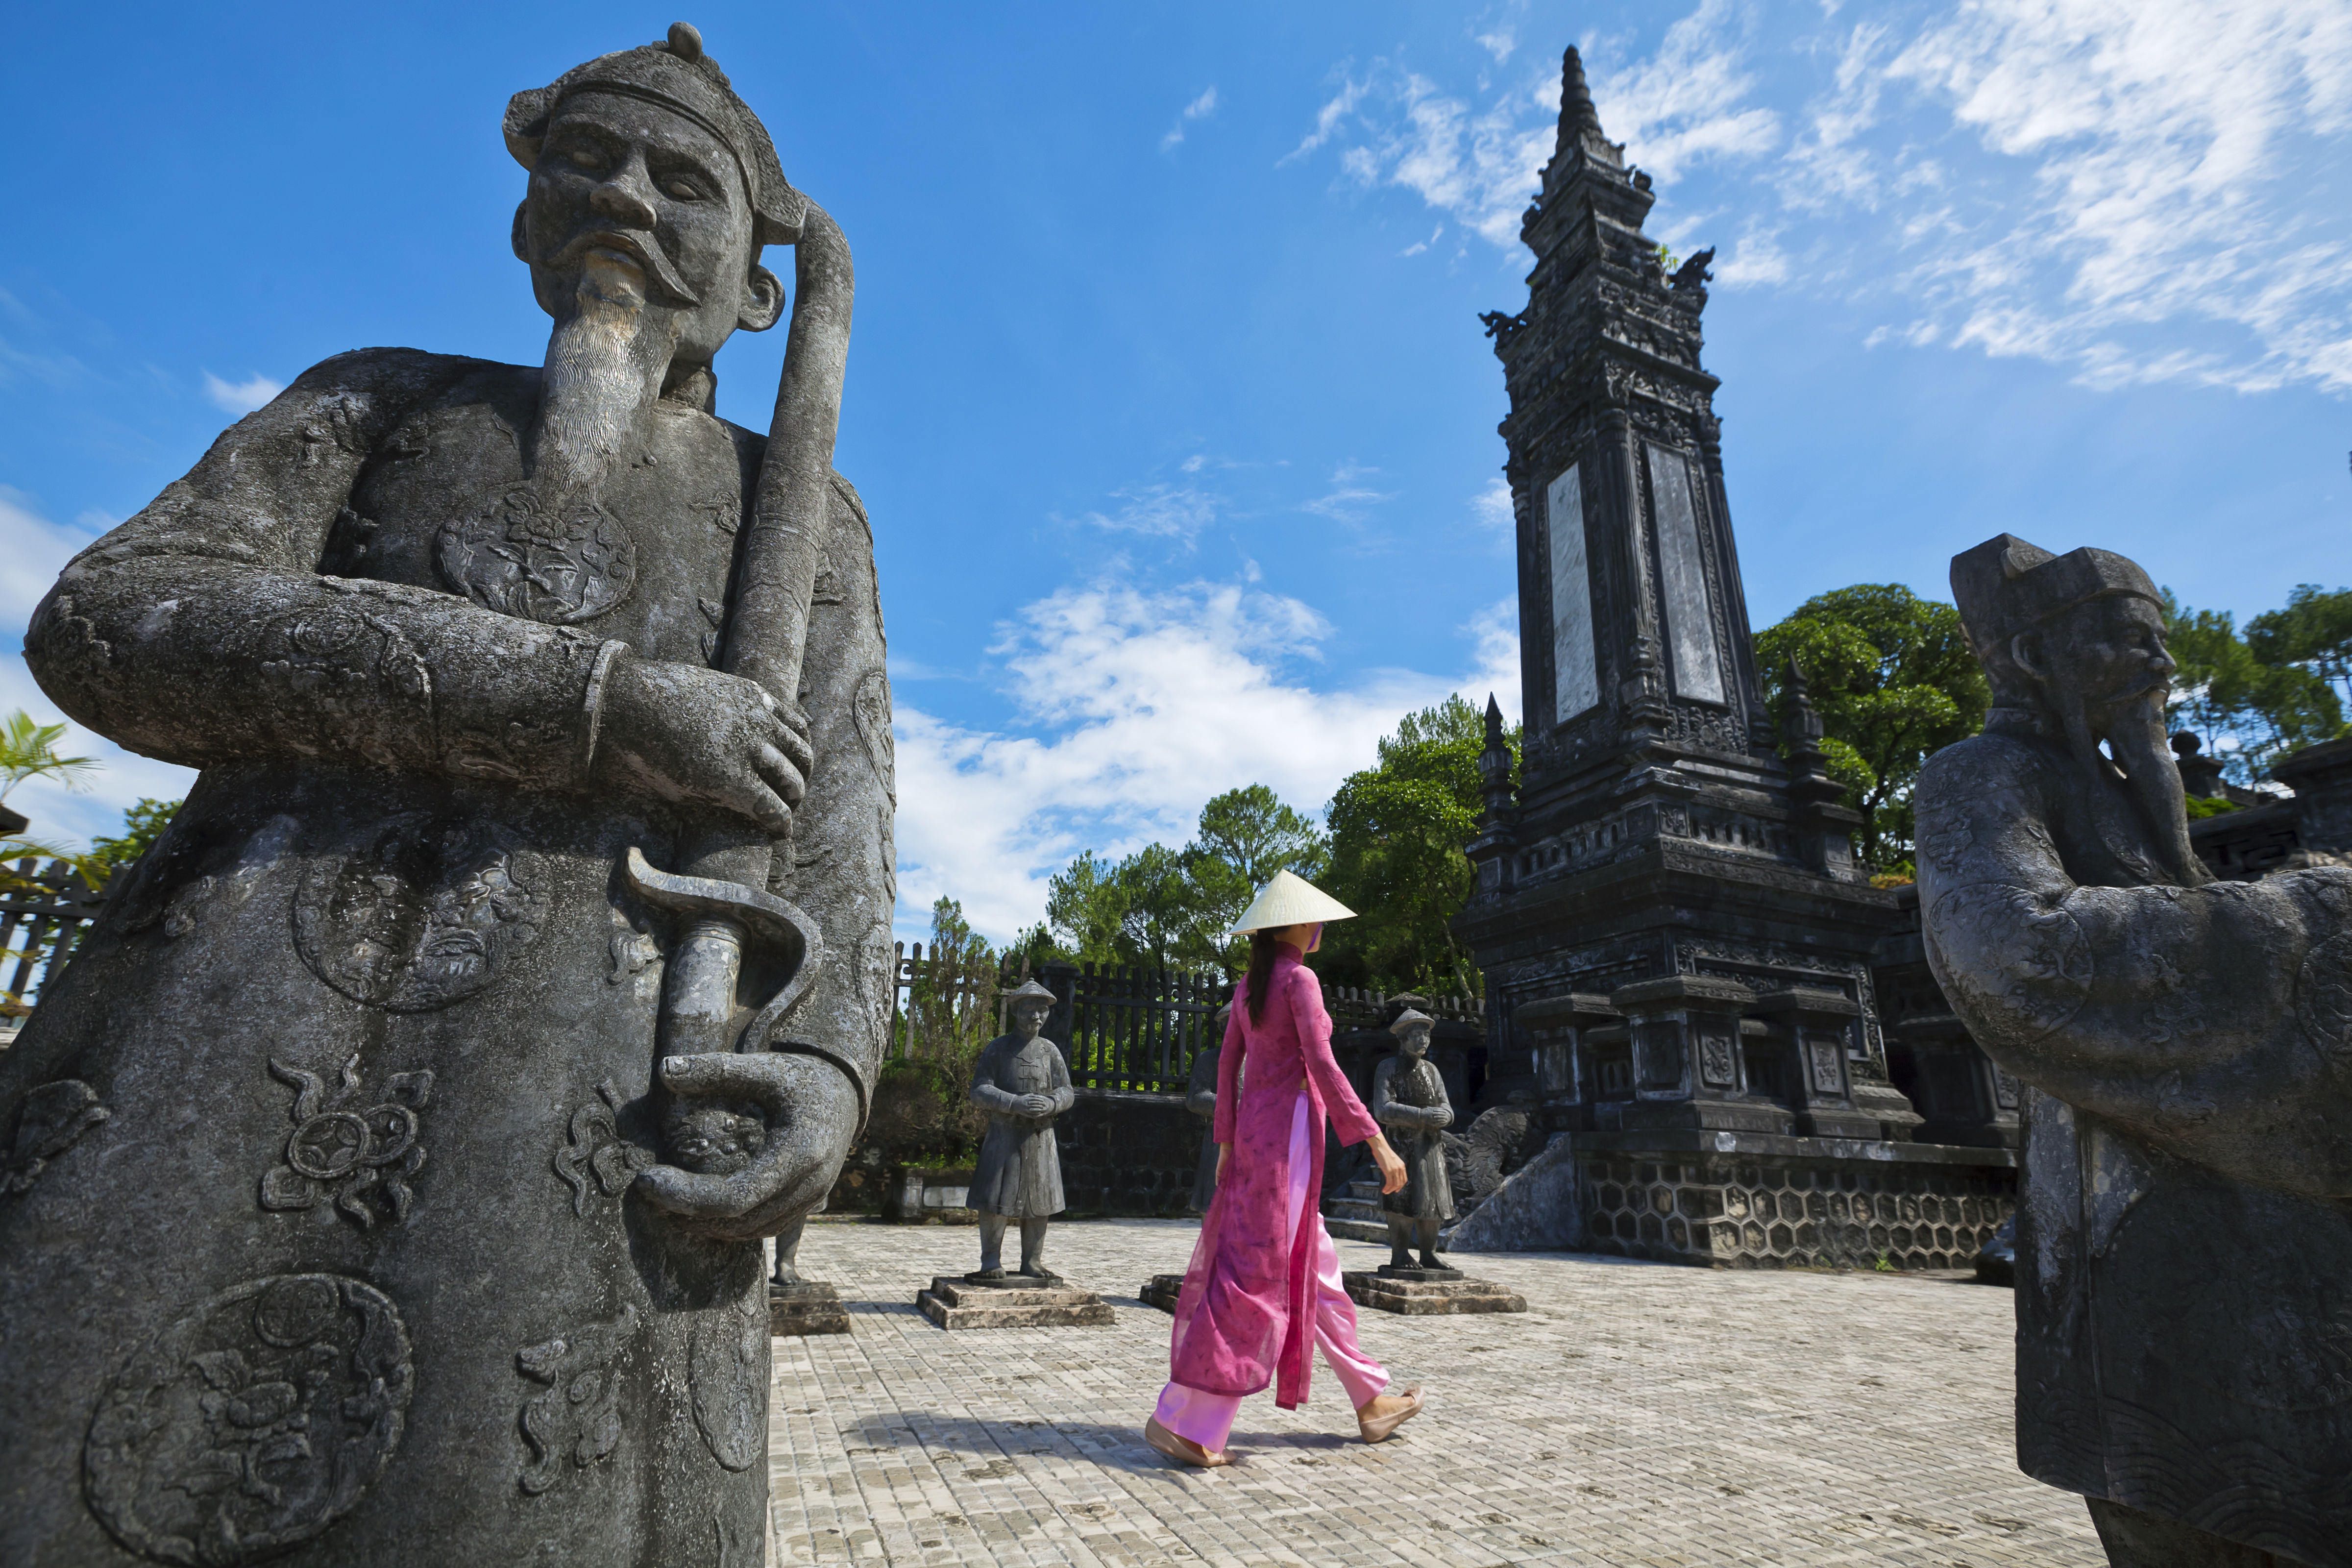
x=2138 y=762
x=605 y=361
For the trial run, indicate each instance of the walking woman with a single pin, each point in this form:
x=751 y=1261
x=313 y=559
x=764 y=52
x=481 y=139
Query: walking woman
x=1263 y=1289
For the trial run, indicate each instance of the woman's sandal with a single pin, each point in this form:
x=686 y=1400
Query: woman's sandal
x=1183 y=1450
x=1376 y=1428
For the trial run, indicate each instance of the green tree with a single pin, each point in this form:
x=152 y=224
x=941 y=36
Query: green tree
x=2314 y=632
x=1397 y=831
x=2252 y=699
x=1171 y=908
x=1245 y=836
x=1895 y=681
x=141 y=825
x=29 y=751
x=922 y=1108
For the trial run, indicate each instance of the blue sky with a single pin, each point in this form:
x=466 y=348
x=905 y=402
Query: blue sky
x=1167 y=393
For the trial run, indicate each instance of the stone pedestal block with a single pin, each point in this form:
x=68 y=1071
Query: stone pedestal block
x=1430 y=1296
x=1018 y=1301
x=1419 y=1276
x=1163 y=1290
x=810 y=1307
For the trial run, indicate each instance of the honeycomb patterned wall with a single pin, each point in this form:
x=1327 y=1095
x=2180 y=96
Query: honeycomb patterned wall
x=1765 y=1214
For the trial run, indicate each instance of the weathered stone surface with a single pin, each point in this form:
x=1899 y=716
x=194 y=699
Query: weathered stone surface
x=810 y=1307
x=1161 y=1290
x=2186 y=1224
x=384 y=1168
x=1536 y=1208
x=1017 y=1302
x=1429 y=1297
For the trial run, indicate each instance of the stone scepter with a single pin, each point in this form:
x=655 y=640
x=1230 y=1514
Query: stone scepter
x=1409 y=1099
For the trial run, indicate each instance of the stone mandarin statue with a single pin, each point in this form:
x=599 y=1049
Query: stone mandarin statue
x=1408 y=1101
x=520 y=956
x=2184 y=1347
x=1023 y=1084
x=1201 y=1099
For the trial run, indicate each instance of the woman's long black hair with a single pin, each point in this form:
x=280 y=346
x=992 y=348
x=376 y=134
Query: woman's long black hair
x=1263 y=947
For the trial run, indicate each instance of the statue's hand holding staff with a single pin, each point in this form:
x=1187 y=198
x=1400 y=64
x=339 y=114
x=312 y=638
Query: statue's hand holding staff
x=812 y=1115
x=697 y=737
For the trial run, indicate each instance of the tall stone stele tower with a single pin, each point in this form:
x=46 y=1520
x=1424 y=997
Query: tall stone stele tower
x=1677 y=938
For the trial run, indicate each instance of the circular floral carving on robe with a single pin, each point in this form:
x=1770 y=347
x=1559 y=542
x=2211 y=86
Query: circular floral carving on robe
x=421 y=915
x=253 y=1423
x=2323 y=998
x=556 y=563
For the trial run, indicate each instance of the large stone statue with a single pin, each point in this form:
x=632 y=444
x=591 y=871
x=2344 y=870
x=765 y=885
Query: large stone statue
x=1408 y=1101
x=413 y=1113
x=1023 y=1084
x=2184 y=1348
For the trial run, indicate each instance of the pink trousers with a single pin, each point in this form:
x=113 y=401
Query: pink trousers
x=1208 y=1418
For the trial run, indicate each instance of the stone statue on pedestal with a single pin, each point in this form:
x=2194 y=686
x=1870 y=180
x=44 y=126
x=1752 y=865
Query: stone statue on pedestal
x=1409 y=1101
x=1023 y=1084
x=520 y=958
x=2184 y=1347
x=1201 y=1099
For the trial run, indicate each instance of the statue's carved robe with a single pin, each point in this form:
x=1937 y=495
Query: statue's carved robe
x=1020 y=1169
x=375 y=1025
x=1408 y=1101
x=2184 y=1246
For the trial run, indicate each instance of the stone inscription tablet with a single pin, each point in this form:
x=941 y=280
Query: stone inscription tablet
x=1576 y=682
x=1690 y=628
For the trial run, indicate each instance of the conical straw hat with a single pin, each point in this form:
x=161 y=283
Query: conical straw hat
x=1290 y=901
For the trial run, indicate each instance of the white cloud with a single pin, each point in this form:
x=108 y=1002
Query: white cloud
x=1491 y=508
x=1161 y=511
x=2138 y=190
x=241 y=396
x=1499 y=43
x=33 y=551
x=1200 y=108
x=1418 y=246
x=1348 y=500
x=1327 y=120
x=1134 y=707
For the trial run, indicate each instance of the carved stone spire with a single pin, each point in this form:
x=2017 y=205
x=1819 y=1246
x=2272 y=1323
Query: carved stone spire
x=1576 y=115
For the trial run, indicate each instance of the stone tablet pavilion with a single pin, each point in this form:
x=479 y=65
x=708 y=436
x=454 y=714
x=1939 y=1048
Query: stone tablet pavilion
x=1679 y=946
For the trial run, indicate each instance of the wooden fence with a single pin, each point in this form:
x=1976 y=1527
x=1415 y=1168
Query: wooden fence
x=1120 y=1026
x=43 y=914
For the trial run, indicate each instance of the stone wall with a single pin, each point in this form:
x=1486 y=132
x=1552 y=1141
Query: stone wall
x=1129 y=1154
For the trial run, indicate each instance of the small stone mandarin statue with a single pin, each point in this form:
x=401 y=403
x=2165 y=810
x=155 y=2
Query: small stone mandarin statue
x=2184 y=1341
x=1201 y=1099
x=1408 y=1101
x=1023 y=1085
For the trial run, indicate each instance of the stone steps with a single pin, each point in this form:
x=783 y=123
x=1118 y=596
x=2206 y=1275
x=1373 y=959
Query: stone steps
x=955 y=1302
x=1162 y=1291
x=1354 y=1212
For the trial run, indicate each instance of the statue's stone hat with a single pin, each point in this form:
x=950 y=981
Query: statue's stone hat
x=1030 y=991
x=1290 y=901
x=676 y=74
x=2005 y=585
x=1409 y=1020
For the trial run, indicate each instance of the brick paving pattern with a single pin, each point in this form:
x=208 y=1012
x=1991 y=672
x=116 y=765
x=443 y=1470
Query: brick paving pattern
x=1637 y=1414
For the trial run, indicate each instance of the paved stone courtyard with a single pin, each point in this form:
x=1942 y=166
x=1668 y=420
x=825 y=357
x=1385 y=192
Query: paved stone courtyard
x=1637 y=1414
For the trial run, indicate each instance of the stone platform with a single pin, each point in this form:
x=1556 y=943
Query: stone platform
x=1016 y=1301
x=1428 y=1292
x=1162 y=1291
x=810 y=1307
